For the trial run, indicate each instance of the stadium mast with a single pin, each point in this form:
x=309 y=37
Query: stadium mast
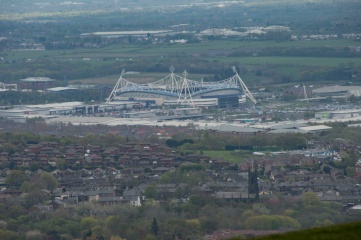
x=185 y=93
x=244 y=87
x=115 y=89
x=305 y=92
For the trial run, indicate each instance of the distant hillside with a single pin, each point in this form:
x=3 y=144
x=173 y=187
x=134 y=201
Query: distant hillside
x=347 y=231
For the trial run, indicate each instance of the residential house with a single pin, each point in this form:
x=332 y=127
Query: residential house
x=236 y=196
x=357 y=166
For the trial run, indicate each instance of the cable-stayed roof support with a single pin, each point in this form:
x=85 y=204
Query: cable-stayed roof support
x=115 y=89
x=186 y=90
x=243 y=86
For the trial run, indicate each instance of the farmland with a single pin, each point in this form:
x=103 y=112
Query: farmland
x=206 y=48
x=202 y=59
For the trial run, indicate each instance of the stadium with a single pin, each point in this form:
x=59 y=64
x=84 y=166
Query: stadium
x=181 y=91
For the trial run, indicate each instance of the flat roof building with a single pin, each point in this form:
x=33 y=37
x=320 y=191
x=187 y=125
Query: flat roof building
x=338 y=114
x=36 y=83
x=7 y=87
x=338 y=91
x=62 y=90
x=317 y=128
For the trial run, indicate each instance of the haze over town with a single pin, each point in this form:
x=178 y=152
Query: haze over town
x=179 y=120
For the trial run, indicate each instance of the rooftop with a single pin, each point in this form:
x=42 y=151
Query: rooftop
x=315 y=128
x=231 y=128
x=37 y=79
x=126 y=33
x=335 y=89
x=58 y=89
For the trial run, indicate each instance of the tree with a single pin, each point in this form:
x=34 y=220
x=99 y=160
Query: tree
x=60 y=163
x=353 y=98
x=15 y=211
x=209 y=224
x=49 y=181
x=326 y=169
x=253 y=183
x=308 y=114
x=117 y=225
x=34 y=120
x=9 y=235
x=34 y=197
x=323 y=223
x=112 y=224
x=15 y=178
x=197 y=200
x=155 y=227
x=310 y=199
x=351 y=171
x=88 y=223
x=270 y=222
x=26 y=186
x=34 y=235
x=150 y=191
x=116 y=238
x=290 y=141
x=99 y=233
x=9 y=148
x=177 y=228
x=260 y=209
x=191 y=167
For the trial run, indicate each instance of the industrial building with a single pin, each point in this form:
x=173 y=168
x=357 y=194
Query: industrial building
x=6 y=87
x=22 y=112
x=36 y=83
x=338 y=114
x=338 y=91
x=62 y=90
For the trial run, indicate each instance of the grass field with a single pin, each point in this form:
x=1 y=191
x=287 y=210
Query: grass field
x=216 y=51
x=138 y=50
x=229 y=156
x=136 y=78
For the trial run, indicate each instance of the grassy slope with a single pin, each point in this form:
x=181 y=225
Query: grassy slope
x=347 y=231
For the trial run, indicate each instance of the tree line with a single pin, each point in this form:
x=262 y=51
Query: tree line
x=337 y=52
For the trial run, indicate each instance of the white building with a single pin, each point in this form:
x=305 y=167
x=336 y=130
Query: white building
x=338 y=91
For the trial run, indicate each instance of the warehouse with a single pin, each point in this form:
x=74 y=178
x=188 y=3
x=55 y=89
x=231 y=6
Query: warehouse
x=338 y=91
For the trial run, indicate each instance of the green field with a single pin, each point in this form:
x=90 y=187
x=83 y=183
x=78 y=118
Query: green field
x=204 y=54
x=126 y=51
x=229 y=156
x=136 y=78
